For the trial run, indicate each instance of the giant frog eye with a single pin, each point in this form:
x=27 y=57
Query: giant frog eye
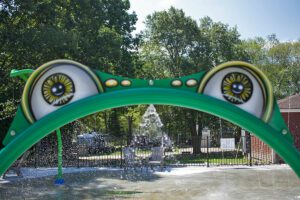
x=237 y=88
x=242 y=85
x=58 y=89
x=56 y=84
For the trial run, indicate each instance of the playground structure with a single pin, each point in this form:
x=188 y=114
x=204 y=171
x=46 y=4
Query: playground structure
x=62 y=91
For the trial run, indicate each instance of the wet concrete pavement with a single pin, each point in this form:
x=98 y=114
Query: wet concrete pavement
x=177 y=183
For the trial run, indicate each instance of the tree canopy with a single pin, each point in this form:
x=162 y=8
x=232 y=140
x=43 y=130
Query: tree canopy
x=99 y=34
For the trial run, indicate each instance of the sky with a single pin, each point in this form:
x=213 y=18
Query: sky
x=252 y=17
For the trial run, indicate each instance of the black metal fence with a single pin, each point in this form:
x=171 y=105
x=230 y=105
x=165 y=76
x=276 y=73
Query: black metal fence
x=244 y=150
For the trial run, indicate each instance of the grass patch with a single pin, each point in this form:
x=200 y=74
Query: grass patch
x=120 y=192
x=200 y=159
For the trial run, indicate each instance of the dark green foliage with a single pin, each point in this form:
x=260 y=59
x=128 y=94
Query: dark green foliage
x=95 y=33
x=114 y=124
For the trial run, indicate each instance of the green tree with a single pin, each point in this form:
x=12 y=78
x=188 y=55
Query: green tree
x=279 y=60
x=224 y=43
x=178 y=43
x=173 y=34
x=95 y=33
x=130 y=120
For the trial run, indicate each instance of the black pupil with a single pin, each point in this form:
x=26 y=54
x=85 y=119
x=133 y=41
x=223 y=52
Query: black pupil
x=237 y=88
x=58 y=89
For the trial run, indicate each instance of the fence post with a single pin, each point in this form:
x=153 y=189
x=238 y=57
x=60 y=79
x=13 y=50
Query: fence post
x=250 y=149
x=207 y=151
x=121 y=163
x=35 y=156
x=77 y=154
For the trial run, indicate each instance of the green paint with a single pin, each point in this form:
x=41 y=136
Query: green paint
x=142 y=83
x=59 y=154
x=268 y=133
x=18 y=125
x=23 y=74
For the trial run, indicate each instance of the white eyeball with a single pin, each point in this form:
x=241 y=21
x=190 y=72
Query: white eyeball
x=56 y=84
x=242 y=85
x=239 y=87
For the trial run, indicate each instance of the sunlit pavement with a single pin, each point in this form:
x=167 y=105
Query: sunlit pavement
x=265 y=182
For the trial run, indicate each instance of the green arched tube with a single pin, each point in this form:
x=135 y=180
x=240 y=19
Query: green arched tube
x=87 y=106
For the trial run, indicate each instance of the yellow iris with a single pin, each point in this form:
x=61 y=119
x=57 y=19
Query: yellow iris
x=237 y=88
x=58 y=89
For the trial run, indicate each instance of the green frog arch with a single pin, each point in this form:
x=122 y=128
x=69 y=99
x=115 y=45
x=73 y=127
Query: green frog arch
x=62 y=91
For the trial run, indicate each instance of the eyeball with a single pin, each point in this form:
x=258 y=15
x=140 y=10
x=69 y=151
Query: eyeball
x=242 y=85
x=237 y=88
x=56 y=84
x=58 y=89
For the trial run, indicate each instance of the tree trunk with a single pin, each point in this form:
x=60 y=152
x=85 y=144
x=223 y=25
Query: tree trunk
x=129 y=134
x=105 y=121
x=200 y=127
x=196 y=140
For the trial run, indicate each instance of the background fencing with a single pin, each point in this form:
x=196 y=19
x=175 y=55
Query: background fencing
x=243 y=150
